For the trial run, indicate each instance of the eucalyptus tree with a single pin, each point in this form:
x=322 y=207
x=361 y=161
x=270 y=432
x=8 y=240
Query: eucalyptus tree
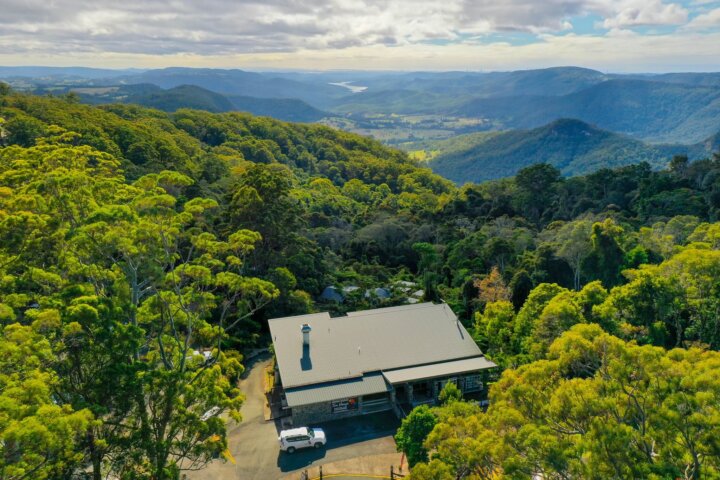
x=136 y=295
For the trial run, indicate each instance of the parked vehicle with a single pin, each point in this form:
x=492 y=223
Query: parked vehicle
x=303 y=437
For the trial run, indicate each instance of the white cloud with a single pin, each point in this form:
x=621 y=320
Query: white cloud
x=337 y=33
x=646 y=13
x=707 y=20
x=625 y=51
x=230 y=26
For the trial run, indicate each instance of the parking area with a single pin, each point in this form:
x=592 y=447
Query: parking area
x=254 y=447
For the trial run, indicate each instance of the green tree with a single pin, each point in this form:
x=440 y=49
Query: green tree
x=39 y=439
x=596 y=407
x=176 y=279
x=574 y=246
x=494 y=330
x=607 y=256
x=449 y=393
x=412 y=433
x=261 y=201
x=131 y=289
x=520 y=285
x=531 y=310
x=537 y=187
x=3 y=133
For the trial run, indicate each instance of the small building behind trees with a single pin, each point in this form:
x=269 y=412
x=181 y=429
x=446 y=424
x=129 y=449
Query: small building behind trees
x=372 y=361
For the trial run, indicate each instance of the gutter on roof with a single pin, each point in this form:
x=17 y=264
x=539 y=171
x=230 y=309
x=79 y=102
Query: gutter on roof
x=425 y=372
x=440 y=362
x=322 y=382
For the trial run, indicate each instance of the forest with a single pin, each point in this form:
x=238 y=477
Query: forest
x=142 y=252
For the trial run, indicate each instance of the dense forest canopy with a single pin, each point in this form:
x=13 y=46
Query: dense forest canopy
x=142 y=252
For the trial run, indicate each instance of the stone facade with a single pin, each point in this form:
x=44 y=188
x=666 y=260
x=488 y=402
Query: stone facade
x=322 y=412
x=307 y=415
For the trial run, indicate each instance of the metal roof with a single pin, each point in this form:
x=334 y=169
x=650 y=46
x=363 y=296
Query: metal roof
x=368 y=341
x=438 y=370
x=365 y=385
x=294 y=431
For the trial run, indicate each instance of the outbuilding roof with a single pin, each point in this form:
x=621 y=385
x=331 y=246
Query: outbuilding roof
x=348 y=347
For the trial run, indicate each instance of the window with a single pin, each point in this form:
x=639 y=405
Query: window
x=472 y=383
x=375 y=396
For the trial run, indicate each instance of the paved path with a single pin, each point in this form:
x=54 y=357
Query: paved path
x=355 y=477
x=253 y=442
x=373 y=466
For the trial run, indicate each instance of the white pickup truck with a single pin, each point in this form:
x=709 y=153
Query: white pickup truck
x=303 y=437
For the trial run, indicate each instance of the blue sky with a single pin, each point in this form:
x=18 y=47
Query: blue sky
x=609 y=35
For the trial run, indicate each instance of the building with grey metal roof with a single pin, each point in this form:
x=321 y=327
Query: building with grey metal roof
x=372 y=360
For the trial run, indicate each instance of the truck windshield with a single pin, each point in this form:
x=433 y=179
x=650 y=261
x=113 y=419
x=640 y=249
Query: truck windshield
x=311 y=433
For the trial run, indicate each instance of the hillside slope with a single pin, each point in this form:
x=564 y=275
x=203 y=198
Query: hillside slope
x=196 y=142
x=572 y=146
x=184 y=96
x=653 y=111
x=286 y=109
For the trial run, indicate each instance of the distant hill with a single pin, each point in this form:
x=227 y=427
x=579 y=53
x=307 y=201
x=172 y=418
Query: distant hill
x=658 y=108
x=393 y=101
x=548 y=81
x=198 y=98
x=148 y=95
x=437 y=92
x=239 y=82
x=654 y=111
x=286 y=109
x=184 y=96
x=63 y=72
x=710 y=79
x=573 y=146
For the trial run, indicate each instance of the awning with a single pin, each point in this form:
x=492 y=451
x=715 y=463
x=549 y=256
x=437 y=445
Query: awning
x=325 y=392
x=443 y=369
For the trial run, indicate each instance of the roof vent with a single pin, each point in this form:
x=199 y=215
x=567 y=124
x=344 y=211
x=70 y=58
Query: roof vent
x=306 y=333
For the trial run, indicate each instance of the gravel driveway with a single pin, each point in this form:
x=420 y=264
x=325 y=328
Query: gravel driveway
x=253 y=442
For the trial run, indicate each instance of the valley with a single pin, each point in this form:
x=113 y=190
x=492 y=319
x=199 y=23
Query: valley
x=442 y=118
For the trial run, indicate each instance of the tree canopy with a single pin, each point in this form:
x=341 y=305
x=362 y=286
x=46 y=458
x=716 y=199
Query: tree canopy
x=144 y=251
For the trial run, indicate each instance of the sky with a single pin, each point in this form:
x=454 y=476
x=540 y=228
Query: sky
x=608 y=35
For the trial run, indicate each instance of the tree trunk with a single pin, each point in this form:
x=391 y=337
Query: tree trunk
x=95 y=457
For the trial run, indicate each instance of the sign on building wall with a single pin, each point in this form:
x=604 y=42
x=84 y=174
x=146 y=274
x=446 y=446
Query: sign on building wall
x=344 y=405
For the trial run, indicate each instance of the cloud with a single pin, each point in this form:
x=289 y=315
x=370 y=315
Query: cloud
x=229 y=26
x=646 y=13
x=707 y=20
x=311 y=32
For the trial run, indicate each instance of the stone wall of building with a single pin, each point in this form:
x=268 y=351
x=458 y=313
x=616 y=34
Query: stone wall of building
x=307 y=415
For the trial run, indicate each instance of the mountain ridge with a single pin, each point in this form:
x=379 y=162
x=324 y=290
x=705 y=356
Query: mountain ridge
x=198 y=98
x=573 y=146
x=655 y=111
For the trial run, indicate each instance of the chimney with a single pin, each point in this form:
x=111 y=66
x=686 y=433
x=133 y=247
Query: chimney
x=306 y=334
